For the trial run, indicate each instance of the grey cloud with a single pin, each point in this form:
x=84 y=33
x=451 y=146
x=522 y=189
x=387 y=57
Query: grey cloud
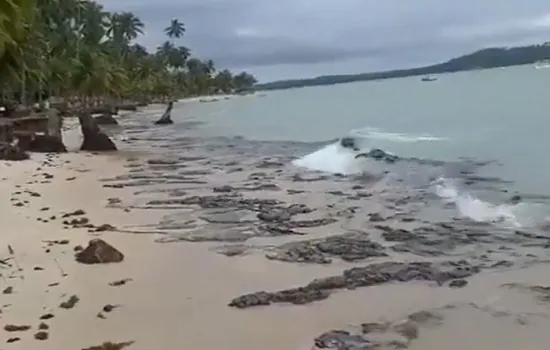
x=248 y=33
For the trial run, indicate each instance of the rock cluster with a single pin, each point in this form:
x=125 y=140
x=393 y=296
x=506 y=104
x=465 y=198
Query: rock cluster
x=348 y=247
x=370 y=275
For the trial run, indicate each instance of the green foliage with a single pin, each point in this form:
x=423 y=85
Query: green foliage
x=77 y=49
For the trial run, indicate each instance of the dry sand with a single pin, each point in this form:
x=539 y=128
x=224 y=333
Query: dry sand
x=178 y=294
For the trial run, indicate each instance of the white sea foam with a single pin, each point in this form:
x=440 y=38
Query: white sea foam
x=331 y=159
x=336 y=159
x=513 y=215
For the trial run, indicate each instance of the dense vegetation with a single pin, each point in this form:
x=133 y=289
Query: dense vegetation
x=75 y=49
x=482 y=59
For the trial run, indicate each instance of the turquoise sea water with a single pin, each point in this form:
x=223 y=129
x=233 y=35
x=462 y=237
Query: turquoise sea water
x=502 y=115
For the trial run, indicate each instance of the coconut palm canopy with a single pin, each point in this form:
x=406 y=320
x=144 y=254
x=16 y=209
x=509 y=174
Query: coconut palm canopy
x=74 y=48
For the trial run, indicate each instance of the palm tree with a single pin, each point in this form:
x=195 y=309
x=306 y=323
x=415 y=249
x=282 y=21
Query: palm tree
x=123 y=28
x=77 y=51
x=224 y=81
x=165 y=48
x=195 y=67
x=95 y=21
x=244 y=81
x=209 y=67
x=184 y=52
x=16 y=24
x=175 y=30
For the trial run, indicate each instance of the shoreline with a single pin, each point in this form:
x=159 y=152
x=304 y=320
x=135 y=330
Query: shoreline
x=220 y=97
x=179 y=292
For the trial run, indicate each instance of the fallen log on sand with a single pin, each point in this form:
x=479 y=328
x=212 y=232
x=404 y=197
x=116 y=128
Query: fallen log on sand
x=166 y=117
x=94 y=138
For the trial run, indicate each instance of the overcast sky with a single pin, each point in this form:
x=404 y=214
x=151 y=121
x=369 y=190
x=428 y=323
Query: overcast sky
x=279 y=39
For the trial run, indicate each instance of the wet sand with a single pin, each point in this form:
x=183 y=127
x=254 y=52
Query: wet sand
x=204 y=226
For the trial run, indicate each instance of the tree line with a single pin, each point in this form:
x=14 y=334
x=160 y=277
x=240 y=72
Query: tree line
x=75 y=49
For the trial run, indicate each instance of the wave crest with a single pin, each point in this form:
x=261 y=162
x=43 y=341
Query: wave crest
x=350 y=156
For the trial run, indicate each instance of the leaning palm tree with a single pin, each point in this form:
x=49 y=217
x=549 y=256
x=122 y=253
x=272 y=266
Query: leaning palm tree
x=175 y=30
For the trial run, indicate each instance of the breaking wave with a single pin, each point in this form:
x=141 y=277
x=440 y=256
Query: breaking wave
x=439 y=177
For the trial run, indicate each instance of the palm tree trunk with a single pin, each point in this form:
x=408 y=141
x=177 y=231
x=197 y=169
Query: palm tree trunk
x=23 y=92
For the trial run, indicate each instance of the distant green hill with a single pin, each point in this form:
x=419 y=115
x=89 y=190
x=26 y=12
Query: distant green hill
x=482 y=59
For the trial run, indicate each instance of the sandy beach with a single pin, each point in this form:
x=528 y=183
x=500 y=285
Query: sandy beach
x=192 y=262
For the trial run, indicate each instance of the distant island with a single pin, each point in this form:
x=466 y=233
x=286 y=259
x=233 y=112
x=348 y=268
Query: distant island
x=481 y=59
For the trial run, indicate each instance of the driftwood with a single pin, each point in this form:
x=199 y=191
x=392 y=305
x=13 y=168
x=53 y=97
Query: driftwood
x=166 y=117
x=94 y=138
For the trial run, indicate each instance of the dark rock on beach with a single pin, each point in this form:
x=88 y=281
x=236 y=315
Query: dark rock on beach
x=348 y=247
x=375 y=217
x=41 y=335
x=277 y=229
x=99 y=252
x=349 y=142
x=223 y=189
x=110 y=346
x=370 y=275
x=378 y=335
x=378 y=154
x=459 y=283
x=219 y=201
x=441 y=238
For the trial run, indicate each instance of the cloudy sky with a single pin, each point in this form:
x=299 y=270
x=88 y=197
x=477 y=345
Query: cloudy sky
x=279 y=39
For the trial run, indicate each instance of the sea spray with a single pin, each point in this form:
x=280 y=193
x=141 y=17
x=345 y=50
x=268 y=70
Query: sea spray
x=476 y=209
x=337 y=159
x=419 y=173
x=331 y=159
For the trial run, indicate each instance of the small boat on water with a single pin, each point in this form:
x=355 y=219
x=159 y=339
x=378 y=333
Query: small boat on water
x=429 y=78
x=542 y=64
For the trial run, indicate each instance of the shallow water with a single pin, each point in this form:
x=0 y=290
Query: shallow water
x=217 y=183
x=497 y=116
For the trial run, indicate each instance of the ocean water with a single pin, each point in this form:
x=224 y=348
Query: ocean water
x=472 y=139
